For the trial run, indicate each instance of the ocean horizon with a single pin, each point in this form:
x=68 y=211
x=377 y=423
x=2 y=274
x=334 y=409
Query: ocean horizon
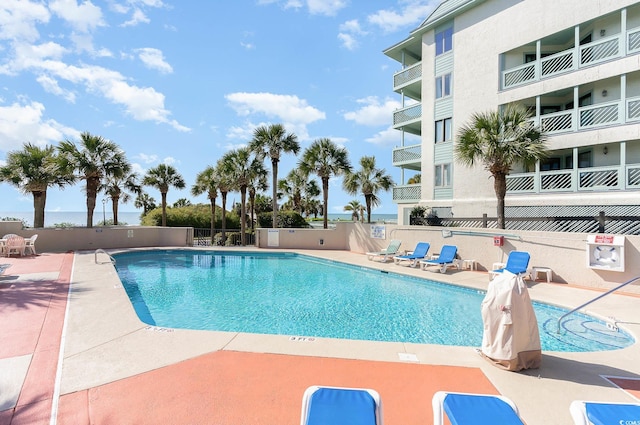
x=132 y=218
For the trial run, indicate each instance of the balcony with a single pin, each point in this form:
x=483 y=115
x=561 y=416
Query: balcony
x=594 y=179
x=409 y=119
x=409 y=81
x=408 y=157
x=406 y=194
x=572 y=59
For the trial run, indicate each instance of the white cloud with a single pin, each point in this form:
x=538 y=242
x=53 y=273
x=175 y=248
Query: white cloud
x=411 y=14
x=82 y=17
x=51 y=85
x=20 y=123
x=373 y=112
x=248 y=46
x=169 y=160
x=391 y=137
x=84 y=43
x=147 y=159
x=18 y=19
x=348 y=41
x=154 y=59
x=138 y=17
x=325 y=7
x=288 y=108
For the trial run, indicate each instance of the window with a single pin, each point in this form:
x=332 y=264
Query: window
x=443 y=175
x=443 y=86
x=443 y=130
x=444 y=41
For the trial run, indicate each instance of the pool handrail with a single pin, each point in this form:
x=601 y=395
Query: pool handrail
x=595 y=299
x=112 y=260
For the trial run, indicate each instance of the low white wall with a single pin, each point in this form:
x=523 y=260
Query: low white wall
x=303 y=238
x=82 y=238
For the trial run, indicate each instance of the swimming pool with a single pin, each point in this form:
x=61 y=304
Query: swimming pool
x=298 y=295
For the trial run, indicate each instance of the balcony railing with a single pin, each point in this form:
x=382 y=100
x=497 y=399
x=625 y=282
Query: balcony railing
x=572 y=59
x=407 y=75
x=408 y=114
x=595 y=179
x=407 y=155
x=590 y=117
x=406 y=194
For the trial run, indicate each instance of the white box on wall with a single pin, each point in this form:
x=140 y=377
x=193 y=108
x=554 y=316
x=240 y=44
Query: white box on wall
x=605 y=252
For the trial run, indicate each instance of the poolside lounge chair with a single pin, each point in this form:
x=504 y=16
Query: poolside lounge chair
x=30 y=245
x=445 y=260
x=517 y=263
x=418 y=254
x=14 y=244
x=474 y=409
x=597 y=413
x=386 y=253
x=340 y=406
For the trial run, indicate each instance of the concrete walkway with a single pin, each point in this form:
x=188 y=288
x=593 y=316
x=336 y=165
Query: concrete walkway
x=118 y=370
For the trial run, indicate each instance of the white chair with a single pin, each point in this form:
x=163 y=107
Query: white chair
x=30 y=245
x=590 y=412
x=14 y=245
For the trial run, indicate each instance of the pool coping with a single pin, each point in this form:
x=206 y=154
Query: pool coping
x=105 y=341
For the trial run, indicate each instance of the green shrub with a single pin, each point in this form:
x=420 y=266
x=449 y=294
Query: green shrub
x=197 y=216
x=286 y=219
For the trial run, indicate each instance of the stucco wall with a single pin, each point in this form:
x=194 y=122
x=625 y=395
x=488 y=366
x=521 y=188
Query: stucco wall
x=82 y=238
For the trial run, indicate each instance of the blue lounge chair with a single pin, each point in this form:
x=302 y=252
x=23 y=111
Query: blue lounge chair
x=446 y=259
x=474 y=409
x=418 y=254
x=387 y=253
x=596 y=413
x=517 y=263
x=340 y=406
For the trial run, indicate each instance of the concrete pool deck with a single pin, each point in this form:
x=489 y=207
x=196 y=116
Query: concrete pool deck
x=116 y=369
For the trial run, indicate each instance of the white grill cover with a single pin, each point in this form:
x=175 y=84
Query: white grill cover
x=510 y=339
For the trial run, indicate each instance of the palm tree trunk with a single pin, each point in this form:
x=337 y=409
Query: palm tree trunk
x=274 y=185
x=115 y=201
x=164 y=209
x=39 y=201
x=325 y=198
x=367 y=200
x=243 y=212
x=252 y=201
x=213 y=218
x=224 y=218
x=500 y=187
x=92 y=194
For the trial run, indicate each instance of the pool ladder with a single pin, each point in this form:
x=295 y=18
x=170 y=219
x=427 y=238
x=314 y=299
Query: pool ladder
x=594 y=300
x=100 y=250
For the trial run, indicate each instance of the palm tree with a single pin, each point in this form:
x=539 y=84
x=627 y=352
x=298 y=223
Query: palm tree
x=144 y=201
x=116 y=189
x=370 y=180
x=326 y=159
x=225 y=184
x=257 y=183
x=33 y=170
x=207 y=182
x=162 y=178
x=95 y=159
x=294 y=186
x=241 y=168
x=356 y=208
x=272 y=141
x=499 y=139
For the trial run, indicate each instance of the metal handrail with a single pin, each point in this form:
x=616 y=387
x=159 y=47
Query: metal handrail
x=113 y=260
x=595 y=299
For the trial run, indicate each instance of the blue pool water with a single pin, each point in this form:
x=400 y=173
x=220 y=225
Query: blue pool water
x=290 y=294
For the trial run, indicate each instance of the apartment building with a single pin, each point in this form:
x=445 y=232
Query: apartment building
x=574 y=63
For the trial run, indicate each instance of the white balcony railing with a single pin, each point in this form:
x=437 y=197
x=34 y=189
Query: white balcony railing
x=594 y=179
x=407 y=155
x=585 y=55
x=407 y=75
x=405 y=194
x=408 y=114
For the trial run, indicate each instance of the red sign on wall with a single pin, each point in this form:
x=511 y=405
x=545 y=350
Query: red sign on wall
x=604 y=239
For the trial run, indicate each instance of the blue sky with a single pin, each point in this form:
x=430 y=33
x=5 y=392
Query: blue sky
x=183 y=82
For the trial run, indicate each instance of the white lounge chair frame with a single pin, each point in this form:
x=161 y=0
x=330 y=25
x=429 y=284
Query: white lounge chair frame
x=386 y=254
x=437 y=403
x=306 y=398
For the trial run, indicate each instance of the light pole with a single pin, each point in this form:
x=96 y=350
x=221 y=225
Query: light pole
x=104 y=213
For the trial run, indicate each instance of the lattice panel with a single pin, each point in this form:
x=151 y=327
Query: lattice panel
x=555 y=181
x=634 y=41
x=408 y=114
x=406 y=193
x=600 y=51
x=598 y=116
x=408 y=154
x=519 y=76
x=412 y=73
x=633 y=177
x=633 y=111
x=521 y=184
x=556 y=123
x=606 y=178
x=557 y=64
